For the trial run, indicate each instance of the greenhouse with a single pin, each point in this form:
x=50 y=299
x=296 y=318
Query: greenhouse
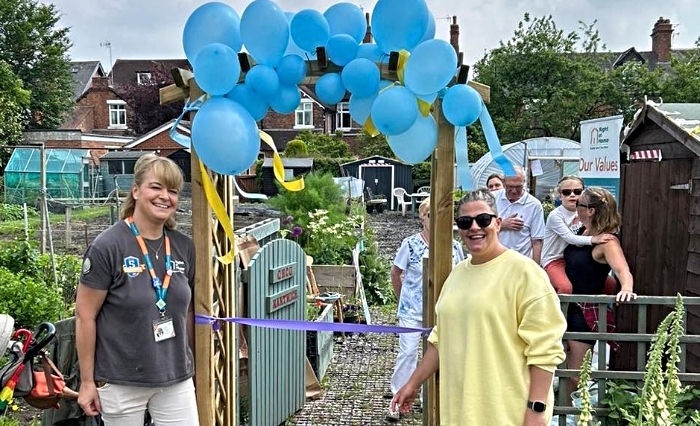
x=548 y=158
x=66 y=175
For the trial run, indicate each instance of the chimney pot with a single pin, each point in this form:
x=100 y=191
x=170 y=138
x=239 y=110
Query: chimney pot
x=454 y=34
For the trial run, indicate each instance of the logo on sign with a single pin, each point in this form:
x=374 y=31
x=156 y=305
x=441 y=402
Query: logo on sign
x=599 y=137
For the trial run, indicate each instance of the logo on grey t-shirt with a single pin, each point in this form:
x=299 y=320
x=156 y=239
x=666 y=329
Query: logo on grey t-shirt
x=132 y=267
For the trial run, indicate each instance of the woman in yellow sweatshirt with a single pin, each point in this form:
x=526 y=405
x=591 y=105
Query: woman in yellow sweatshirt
x=498 y=337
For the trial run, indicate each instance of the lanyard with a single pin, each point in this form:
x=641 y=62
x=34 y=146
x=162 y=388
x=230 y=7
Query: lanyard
x=161 y=287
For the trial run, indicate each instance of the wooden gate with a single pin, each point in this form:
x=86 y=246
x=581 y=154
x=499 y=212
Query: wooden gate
x=276 y=282
x=654 y=239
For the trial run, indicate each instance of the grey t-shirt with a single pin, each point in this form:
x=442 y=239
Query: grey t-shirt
x=126 y=352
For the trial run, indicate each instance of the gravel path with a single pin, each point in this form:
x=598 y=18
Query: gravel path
x=361 y=368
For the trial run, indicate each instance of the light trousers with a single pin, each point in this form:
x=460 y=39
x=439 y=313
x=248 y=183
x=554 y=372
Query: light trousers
x=407 y=358
x=173 y=405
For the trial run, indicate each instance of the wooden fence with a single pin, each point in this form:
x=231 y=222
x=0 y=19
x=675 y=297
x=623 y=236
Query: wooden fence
x=642 y=340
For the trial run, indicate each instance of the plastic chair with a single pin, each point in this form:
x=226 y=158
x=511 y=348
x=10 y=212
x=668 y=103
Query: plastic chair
x=423 y=189
x=400 y=195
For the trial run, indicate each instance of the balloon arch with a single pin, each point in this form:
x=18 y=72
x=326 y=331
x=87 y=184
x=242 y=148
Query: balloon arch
x=283 y=46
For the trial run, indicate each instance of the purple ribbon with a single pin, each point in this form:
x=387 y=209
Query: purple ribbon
x=309 y=325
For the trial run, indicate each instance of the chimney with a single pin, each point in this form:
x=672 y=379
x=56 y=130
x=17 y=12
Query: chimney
x=100 y=82
x=368 y=34
x=454 y=34
x=661 y=39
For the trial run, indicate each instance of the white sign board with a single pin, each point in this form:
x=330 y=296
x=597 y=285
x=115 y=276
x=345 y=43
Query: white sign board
x=600 y=148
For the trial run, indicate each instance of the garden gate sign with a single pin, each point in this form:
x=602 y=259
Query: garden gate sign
x=276 y=282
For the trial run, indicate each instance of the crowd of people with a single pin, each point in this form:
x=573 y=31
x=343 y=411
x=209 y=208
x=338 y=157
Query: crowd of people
x=499 y=327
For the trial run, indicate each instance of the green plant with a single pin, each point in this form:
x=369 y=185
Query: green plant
x=663 y=399
x=330 y=241
x=585 y=418
x=296 y=148
x=20 y=256
x=68 y=269
x=29 y=300
x=375 y=273
x=15 y=212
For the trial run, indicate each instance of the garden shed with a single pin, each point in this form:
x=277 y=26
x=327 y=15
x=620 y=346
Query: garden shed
x=67 y=175
x=117 y=169
x=381 y=175
x=660 y=206
x=293 y=167
x=557 y=157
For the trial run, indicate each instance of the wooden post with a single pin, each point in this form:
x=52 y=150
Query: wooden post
x=441 y=220
x=203 y=289
x=69 y=214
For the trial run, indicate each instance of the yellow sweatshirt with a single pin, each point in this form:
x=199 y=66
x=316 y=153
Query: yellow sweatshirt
x=493 y=321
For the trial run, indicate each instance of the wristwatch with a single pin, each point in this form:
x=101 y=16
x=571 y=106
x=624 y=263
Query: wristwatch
x=537 y=406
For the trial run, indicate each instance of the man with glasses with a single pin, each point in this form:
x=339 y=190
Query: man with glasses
x=522 y=228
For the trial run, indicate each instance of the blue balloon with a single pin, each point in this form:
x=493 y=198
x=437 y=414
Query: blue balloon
x=216 y=69
x=462 y=105
x=430 y=67
x=265 y=31
x=360 y=108
x=330 y=89
x=361 y=77
x=372 y=52
x=417 y=143
x=394 y=111
x=399 y=24
x=430 y=31
x=309 y=29
x=346 y=18
x=254 y=104
x=341 y=49
x=291 y=70
x=221 y=128
x=287 y=100
x=292 y=48
x=211 y=23
x=263 y=80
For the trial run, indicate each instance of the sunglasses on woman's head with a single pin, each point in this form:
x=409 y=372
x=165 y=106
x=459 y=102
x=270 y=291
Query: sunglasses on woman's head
x=482 y=220
x=567 y=192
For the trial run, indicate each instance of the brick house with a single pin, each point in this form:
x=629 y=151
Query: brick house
x=661 y=50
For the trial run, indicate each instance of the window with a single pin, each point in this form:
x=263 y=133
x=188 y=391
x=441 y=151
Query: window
x=143 y=78
x=117 y=114
x=288 y=174
x=342 y=116
x=304 y=115
x=121 y=167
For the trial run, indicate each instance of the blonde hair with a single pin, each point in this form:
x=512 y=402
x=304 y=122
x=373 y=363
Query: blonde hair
x=606 y=218
x=165 y=170
x=570 y=177
x=481 y=194
x=424 y=207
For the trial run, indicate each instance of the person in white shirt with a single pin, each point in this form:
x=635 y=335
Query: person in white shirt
x=560 y=230
x=523 y=217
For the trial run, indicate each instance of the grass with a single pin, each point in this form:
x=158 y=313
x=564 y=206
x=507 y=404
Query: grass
x=12 y=227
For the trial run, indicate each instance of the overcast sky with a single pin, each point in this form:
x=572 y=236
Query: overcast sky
x=140 y=29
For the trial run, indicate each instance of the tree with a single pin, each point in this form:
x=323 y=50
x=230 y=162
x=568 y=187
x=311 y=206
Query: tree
x=36 y=51
x=144 y=99
x=323 y=145
x=368 y=146
x=544 y=81
x=683 y=82
x=15 y=101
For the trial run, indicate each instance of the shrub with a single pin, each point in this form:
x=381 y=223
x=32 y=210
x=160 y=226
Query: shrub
x=28 y=300
x=320 y=192
x=15 y=212
x=20 y=256
x=330 y=165
x=68 y=269
x=375 y=273
x=296 y=148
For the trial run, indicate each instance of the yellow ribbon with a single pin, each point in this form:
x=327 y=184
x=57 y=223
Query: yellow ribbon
x=278 y=166
x=217 y=206
x=370 y=128
x=403 y=57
